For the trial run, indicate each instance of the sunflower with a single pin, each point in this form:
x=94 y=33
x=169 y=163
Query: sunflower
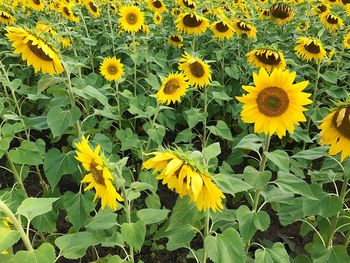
x=345 y=2
x=184 y=176
x=347 y=40
x=264 y=14
x=332 y=2
x=36 y=51
x=68 y=13
x=157 y=6
x=46 y=28
x=92 y=8
x=157 y=18
x=191 y=23
x=222 y=30
x=113 y=8
x=281 y=13
x=131 y=18
x=174 y=86
x=310 y=48
x=4 y=229
x=303 y=26
x=175 y=12
x=197 y=72
x=319 y=9
x=6 y=18
x=186 y=4
x=112 y=68
x=331 y=22
x=243 y=28
x=99 y=176
x=65 y=42
x=335 y=130
x=266 y=58
x=176 y=40
x=274 y=104
x=37 y=5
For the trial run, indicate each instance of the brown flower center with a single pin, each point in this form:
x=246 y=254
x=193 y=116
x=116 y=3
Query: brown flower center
x=197 y=69
x=266 y=12
x=332 y=19
x=93 y=7
x=280 y=10
x=243 y=26
x=38 y=51
x=131 y=18
x=112 y=69
x=4 y=15
x=97 y=174
x=191 y=20
x=187 y=4
x=37 y=2
x=272 y=101
x=345 y=2
x=157 y=4
x=341 y=121
x=66 y=11
x=322 y=8
x=221 y=27
x=312 y=48
x=175 y=38
x=171 y=86
x=268 y=59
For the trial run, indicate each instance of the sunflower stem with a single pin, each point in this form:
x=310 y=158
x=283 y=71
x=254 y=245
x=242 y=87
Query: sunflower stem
x=4 y=208
x=72 y=101
x=204 y=143
x=152 y=127
x=118 y=103
x=205 y=234
x=15 y=173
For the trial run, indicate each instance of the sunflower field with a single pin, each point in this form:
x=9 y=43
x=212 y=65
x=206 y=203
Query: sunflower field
x=200 y=131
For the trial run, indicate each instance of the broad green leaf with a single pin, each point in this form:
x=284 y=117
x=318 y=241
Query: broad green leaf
x=255 y=178
x=4 y=145
x=276 y=254
x=246 y=224
x=104 y=219
x=32 y=207
x=152 y=216
x=312 y=154
x=179 y=237
x=222 y=130
x=211 y=151
x=280 y=159
x=128 y=139
x=330 y=76
x=230 y=184
x=134 y=234
x=261 y=220
x=90 y=92
x=46 y=223
x=250 y=142
x=194 y=116
x=291 y=184
x=60 y=120
x=225 y=247
x=8 y=238
x=44 y=254
x=27 y=153
x=333 y=254
x=47 y=81
x=156 y=134
x=185 y=136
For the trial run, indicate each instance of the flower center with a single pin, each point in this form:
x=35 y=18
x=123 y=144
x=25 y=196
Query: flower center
x=268 y=59
x=171 y=86
x=322 y=8
x=97 y=174
x=157 y=4
x=345 y=2
x=332 y=19
x=243 y=26
x=37 y=2
x=131 y=18
x=341 y=121
x=281 y=11
x=187 y=4
x=272 y=101
x=66 y=11
x=266 y=12
x=191 y=20
x=4 y=15
x=175 y=38
x=38 y=51
x=312 y=48
x=221 y=27
x=197 y=69
x=93 y=6
x=112 y=69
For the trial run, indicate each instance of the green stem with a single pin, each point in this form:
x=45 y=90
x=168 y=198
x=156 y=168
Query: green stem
x=72 y=101
x=15 y=173
x=4 y=208
x=118 y=103
x=205 y=234
x=152 y=127
x=205 y=118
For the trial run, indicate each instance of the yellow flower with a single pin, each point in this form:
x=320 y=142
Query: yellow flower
x=131 y=18
x=319 y=9
x=112 y=68
x=266 y=58
x=157 y=6
x=331 y=22
x=157 y=18
x=281 y=13
x=222 y=30
x=6 y=18
x=175 y=40
x=347 y=40
x=92 y=7
x=43 y=27
x=174 y=86
x=191 y=23
x=65 y=42
x=335 y=130
x=197 y=72
x=186 y=3
x=310 y=48
x=67 y=11
x=274 y=104
x=35 y=51
x=244 y=28
x=37 y=5
x=183 y=176
x=99 y=176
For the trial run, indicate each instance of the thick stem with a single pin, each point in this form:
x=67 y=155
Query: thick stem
x=72 y=101
x=205 y=234
x=15 y=173
x=4 y=208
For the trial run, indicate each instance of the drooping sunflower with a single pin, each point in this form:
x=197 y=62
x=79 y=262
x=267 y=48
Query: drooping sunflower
x=267 y=58
x=176 y=40
x=157 y=6
x=310 y=48
x=174 y=86
x=222 y=30
x=191 y=23
x=37 y=5
x=131 y=18
x=67 y=11
x=346 y=41
x=335 y=130
x=112 y=68
x=274 y=104
x=92 y=8
x=6 y=18
x=243 y=28
x=113 y=8
x=265 y=14
x=197 y=72
x=184 y=176
x=34 y=50
x=281 y=13
x=331 y=22
x=319 y=9
x=99 y=176
x=186 y=4
x=157 y=18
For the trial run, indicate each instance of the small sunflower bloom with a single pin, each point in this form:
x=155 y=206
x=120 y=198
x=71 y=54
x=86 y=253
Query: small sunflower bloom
x=310 y=49
x=111 y=68
x=346 y=41
x=331 y=22
x=176 y=40
x=6 y=18
x=222 y=30
x=243 y=28
x=191 y=23
x=157 y=6
x=174 y=86
x=131 y=18
x=281 y=13
x=266 y=58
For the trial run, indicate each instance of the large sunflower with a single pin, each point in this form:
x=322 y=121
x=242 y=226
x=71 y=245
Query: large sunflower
x=184 y=176
x=6 y=18
x=67 y=11
x=191 y=23
x=34 y=50
x=320 y=8
x=274 y=104
x=331 y=22
x=196 y=70
x=131 y=18
x=310 y=48
x=222 y=30
x=281 y=13
x=176 y=40
x=243 y=28
x=174 y=86
x=157 y=6
x=266 y=58
x=92 y=8
x=99 y=176
x=335 y=130
x=112 y=68
x=37 y=5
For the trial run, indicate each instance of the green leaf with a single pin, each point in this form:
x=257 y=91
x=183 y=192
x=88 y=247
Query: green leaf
x=185 y=136
x=152 y=216
x=194 y=116
x=276 y=254
x=291 y=184
x=104 y=219
x=255 y=178
x=28 y=153
x=32 y=207
x=90 y=92
x=60 y=120
x=246 y=224
x=46 y=223
x=211 y=151
x=44 y=254
x=261 y=220
x=312 y=154
x=280 y=159
x=250 y=142
x=179 y=237
x=74 y=246
x=128 y=139
x=225 y=247
x=134 y=234
x=222 y=130
x=4 y=145
x=230 y=184
x=47 y=81
x=330 y=76
x=156 y=134
x=57 y=164
x=333 y=254
x=8 y=238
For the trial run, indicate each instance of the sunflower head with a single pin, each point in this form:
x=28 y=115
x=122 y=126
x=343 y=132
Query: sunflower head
x=186 y=4
x=281 y=13
x=331 y=22
x=157 y=6
x=346 y=41
x=37 y=5
x=319 y=9
x=112 y=68
x=310 y=49
x=174 y=86
x=244 y=28
x=92 y=8
x=176 y=40
x=6 y=18
x=267 y=58
x=131 y=18
x=222 y=30
x=191 y=23
x=157 y=18
x=274 y=104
